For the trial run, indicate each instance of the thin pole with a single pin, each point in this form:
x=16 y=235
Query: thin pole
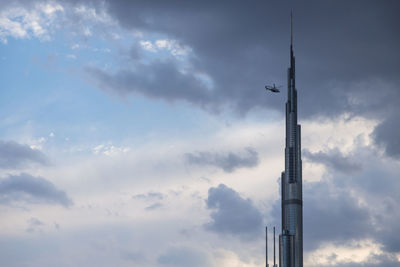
x=274 y=248
x=266 y=246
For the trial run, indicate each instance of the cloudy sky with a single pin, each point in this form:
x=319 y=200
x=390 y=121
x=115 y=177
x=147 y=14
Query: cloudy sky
x=138 y=133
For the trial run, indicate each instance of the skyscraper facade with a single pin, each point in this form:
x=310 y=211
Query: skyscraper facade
x=291 y=238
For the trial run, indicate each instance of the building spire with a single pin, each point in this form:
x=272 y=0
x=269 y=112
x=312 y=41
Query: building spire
x=291 y=28
x=291 y=239
x=291 y=82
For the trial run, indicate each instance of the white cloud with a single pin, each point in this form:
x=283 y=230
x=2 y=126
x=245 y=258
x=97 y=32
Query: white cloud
x=43 y=19
x=173 y=46
x=229 y=258
x=50 y=8
x=92 y=14
x=329 y=254
x=19 y=22
x=148 y=45
x=87 y=31
x=110 y=150
x=37 y=143
x=342 y=133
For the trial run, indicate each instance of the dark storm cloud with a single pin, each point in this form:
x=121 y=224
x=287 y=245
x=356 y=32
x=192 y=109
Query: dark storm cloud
x=228 y=162
x=347 y=59
x=29 y=189
x=233 y=214
x=334 y=159
x=14 y=155
x=184 y=257
x=244 y=45
x=206 y=29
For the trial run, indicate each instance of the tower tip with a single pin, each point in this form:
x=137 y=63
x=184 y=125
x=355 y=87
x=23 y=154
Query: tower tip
x=291 y=27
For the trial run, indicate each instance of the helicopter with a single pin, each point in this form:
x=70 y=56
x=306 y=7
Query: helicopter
x=273 y=88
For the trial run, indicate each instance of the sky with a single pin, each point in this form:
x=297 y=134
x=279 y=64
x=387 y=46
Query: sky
x=138 y=133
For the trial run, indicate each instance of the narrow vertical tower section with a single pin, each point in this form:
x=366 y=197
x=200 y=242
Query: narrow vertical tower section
x=291 y=239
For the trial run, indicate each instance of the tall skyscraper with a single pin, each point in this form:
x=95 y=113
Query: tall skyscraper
x=291 y=238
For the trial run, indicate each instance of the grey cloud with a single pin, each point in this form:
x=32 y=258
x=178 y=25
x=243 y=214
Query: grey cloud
x=228 y=162
x=159 y=80
x=14 y=155
x=379 y=188
x=233 y=214
x=30 y=189
x=387 y=134
x=6 y=4
x=330 y=215
x=388 y=236
x=345 y=209
x=154 y=197
x=184 y=257
x=154 y=206
x=133 y=256
x=333 y=215
x=334 y=159
x=34 y=224
x=102 y=246
x=149 y=196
